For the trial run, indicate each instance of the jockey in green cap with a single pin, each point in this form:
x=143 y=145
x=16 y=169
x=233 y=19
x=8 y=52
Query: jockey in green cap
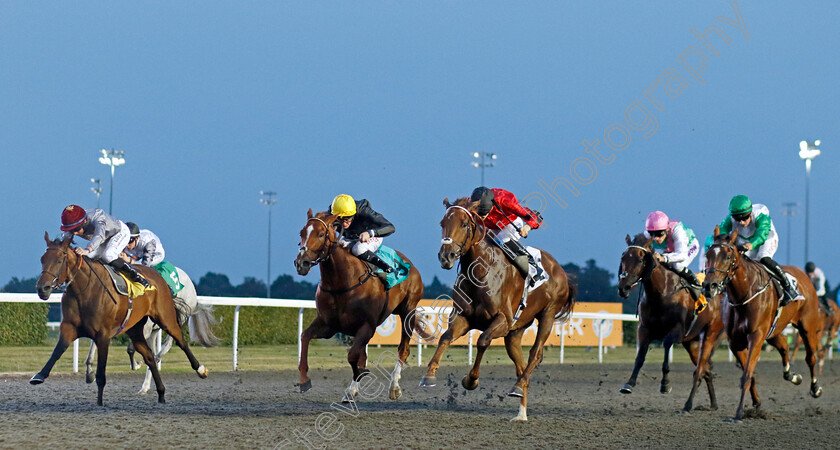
x=757 y=237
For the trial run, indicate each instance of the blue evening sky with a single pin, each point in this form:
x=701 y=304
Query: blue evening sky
x=214 y=101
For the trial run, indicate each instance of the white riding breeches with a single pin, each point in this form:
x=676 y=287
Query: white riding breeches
x=768 y=248
x=509 y=231
x=372 y=245
x=111 y=249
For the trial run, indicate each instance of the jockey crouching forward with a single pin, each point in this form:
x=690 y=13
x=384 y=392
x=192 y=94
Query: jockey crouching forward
x=757 y=238
x=501 y=212
x=107 y=237
x=818 y=280
x=360 y=222
x=144 y=247
x=676 y=246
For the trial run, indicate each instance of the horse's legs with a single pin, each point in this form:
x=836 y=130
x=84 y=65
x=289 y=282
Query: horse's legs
x=164 y=348
x=169 y=324
x=780 y=343
x=67 y=334
x=138 y=338
x=748 y=359
x=513 y=345
x=89 y=374
x=667 y=344
x=546 y=322
x=408 y=320
x=316 y=330
x=131 y=351
x=498 y=328
x=811 y=341
x=457 y=328
x=102 y=344
x=695 y=352
x=643 y=343
x=356 y=355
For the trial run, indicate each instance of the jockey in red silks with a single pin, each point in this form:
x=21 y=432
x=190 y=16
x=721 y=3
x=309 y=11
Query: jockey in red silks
x=502 y=213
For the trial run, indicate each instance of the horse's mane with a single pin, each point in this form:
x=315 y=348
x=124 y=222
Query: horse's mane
x=465 y=202
x=640 y=240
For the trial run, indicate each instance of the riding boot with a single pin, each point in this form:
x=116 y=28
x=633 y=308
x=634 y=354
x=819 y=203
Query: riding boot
x=694 y=288
x=371 y=257
x=788 y=293
x=518 y=256
x=824 y=305
x=129 y=271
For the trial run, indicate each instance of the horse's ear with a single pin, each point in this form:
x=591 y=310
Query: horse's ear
x=309 y=214
x=717 y=230
x=734 y=237
x=47 y=237
x=628 y=240
x=648 y=243
x=446 y=202
x=474 y=205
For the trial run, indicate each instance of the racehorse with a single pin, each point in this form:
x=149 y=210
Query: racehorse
x=351 y=300
x=830 y=328
x=666 y=314
x=487 y=295
x=199 y=317
x=750 y=310
x=91 y=307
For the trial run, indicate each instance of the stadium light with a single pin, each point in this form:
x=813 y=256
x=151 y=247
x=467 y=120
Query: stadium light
x=97 y=189
x=482 y=164
x=808 y=151
x=268 y=199
x=112 y=158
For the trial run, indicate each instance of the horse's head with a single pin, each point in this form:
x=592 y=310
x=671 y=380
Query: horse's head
x=317 y=239
x=54 y=265
x=637 y=263
x=459 y=228
x=722 y=259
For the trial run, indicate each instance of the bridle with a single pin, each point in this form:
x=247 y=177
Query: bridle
x=472 y=231
x=56 y=283
x=646 y=271
x=323 y=253
x=729 y=273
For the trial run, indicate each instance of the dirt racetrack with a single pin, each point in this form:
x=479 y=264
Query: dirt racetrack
x=570 y=405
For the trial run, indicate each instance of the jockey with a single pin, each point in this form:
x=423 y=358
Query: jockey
x=677 y=247
x=501 y=212
x=107 y=236
x=757 y=238
x=360 y=222
x=818 y=278
x=144 y=246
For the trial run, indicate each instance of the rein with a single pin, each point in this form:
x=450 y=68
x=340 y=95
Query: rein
x=329 y=246
x=645 y=270
x=729 y=274
x=104 y=286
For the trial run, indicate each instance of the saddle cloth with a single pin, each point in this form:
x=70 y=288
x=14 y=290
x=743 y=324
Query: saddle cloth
x=401 y=268
x=532 y=271
x=123 y=285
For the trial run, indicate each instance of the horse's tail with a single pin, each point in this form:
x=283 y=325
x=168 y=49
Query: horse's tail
x=566 y=309
x=201 y=323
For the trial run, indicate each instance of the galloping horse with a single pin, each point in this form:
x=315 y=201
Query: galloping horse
x=351 y=300
x=666 y=314
x=488 y=293
x=830 y=327
x=91 y=307
x=749 y=312
x=199 y=317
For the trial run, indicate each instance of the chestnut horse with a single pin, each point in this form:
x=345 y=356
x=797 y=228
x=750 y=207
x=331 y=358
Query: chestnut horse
x=91 y=307
x=750 y=308
x=830 y=327
x=665 y=314
x=487 y=294
x=351 y=300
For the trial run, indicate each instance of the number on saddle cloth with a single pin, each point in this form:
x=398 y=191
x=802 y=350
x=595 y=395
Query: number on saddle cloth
x=167 y=270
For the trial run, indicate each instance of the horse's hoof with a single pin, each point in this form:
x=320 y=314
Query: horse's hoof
x=135 y=365
x=305 y=386
x=684 y=412
x=665 y=389
x=161 y=400
x=469 y=383
x=428 y=381
x=733 y=420
x=37 y=379
x=516 y=392
x=201 y=371
x=816 y=393
x=796 y=379
x=395 y=393
x=626 y=389
x=519 y=419
x=89 y=377
x=143 y=391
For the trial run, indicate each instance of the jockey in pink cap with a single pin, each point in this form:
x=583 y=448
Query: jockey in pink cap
x=676 y=247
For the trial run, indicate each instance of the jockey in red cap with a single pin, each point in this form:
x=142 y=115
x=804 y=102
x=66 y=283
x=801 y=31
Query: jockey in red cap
x=107 y=238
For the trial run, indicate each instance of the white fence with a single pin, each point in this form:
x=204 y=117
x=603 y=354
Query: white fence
x=239 y=302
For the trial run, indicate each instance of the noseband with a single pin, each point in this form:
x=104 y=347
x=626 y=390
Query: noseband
x=729 y=273
x=56 y=284
x=326 y=248
x=472 y=231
